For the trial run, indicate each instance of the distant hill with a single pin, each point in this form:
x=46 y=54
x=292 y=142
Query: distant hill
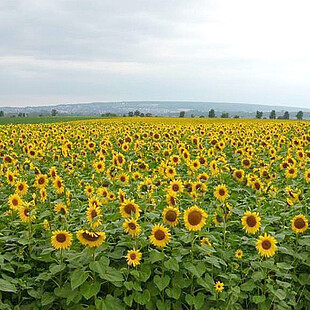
x=160 y=108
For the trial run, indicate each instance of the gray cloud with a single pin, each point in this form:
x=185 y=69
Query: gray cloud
x=68 y=51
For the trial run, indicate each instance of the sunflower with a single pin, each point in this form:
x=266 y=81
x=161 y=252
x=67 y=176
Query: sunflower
x=53 y=172
x=133 y=257
x=92 y=239
x=251 y=222
x=41 y=181
x=10 y=177
x=124 y=178
x=171 y=200
x=170 y=172
x=46 y=225
x=238 y=175
x=99 y=166
x=266 y=245
x=307 y=175
x=59 y=185
x=121 y=195
x=219 y=286
x=43 y=194
x=206 y=241
x=239 y=254
x=89 y=190
x=129 y=208
x=194 y=218
x=160 y=236
x=170 y=216
x=61 y=239
x=221 y=192
x=176 y=187
x=93 y=215
x=217 y=219
x=61 y=208
x=15 y=202
x=299 y=223
x=25 y=214
x=21 y=188
x=131 y=227
x=291 y=172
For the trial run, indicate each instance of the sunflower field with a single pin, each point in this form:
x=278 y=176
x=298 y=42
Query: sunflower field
x=155 y=213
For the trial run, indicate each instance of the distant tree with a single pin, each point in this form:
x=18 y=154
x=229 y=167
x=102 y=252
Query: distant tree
x=272 y=114
x=259 y=114
x=300 y=115
x=280 y=117
x=225 y=115
x=212 y=113
x=192 y=115
x=137 y=113
x=1 y=113
x=124 y=115
x=286 y=115
x=54 y=112
x=130 y=114
x=142 y=114
x=201 y=116
x=182 y=114
x=236 y=116
x=148 y=114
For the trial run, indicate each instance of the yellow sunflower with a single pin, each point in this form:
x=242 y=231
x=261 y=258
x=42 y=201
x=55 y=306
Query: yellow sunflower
x=132 y=227
x=41 y=181
x=238 y=175
x=221 y=192
x=26 y=214
x=291 y=172
x=61 y=239
x=89 y=190
x=129 y=208
x=91 y=239
x=239 y=254
x=21 y=188
x=59 y=185
x=99 y=166
x=219 y=286
x=133 y=257
x=176 y=187
x=160 y=236
x=194 y=218
x=266 y=245
x=307 y=175
x=251 y=222
x=15 y=202
x=93 y=215
x=61 y=208
x=46 y=225
x=170 y=216
x=299 y=223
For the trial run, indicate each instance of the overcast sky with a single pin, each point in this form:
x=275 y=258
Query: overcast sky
x=63 y=51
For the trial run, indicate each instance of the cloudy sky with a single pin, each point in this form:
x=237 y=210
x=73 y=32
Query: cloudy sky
x=63 y=51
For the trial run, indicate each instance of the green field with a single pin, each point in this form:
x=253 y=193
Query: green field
x=42 y=119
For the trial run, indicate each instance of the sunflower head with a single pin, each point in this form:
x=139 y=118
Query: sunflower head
x=91 y=239
x=221 y=192
x=133 y=257
x=239 y=254
x=93 y=215
x=170 y=216
x=251 y=222
x=299 y=223
x=266 y=245
x=194 y=218
x=61 y=239
x=131 y=227
x=129 y=208
x=219 y=286
x=160 y=236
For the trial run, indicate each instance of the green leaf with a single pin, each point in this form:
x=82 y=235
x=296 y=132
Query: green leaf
x=78 y=277
x=128 y=300
x=258 y=275
x=109 y=303
x=248 y=286
x=197 y=270
x=112 y=275
x=6 y=286
x=54 y=269
x=172 y=264
x=199 y=300
x=258 y=299
x=173 y=292
x=100 y=266
x=281 y=294
x=142 y=298
x=161 y=282
x=156 y=256
x=47 y=298
x=90 y=289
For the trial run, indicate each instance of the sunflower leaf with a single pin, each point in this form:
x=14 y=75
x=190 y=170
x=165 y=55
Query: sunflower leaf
x=6 y=286
x=78 y=277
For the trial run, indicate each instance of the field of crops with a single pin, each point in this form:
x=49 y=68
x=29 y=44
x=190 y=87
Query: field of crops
x=155 y=214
